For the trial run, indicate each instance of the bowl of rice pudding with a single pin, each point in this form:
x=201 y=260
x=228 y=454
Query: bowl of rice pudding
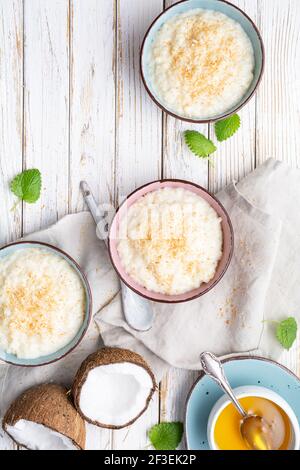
x=202 y=60
x=171 y=241
x=45 y=304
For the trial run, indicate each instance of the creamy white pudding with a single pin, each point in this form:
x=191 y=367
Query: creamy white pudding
x=42 y=303
x=170 y=241
x=201 y=64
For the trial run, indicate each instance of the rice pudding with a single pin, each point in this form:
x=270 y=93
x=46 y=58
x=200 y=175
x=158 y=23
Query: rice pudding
x=42 y=303
x=201 y=64
x=170 y=241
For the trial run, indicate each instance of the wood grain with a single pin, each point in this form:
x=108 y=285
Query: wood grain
x=92 y=116
x=92 y=99
x=278 y=100
x=278 y=104
x=236 y=157
x=11 y=123
x=179 y=162
x=138 y=120
x=11 y=114
x=174 y=391
x=84 y=114
x=138 y=147
x=46 y=107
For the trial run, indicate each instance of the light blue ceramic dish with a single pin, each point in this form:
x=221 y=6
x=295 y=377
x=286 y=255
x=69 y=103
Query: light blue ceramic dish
x=224 y=7
x=240 y=372
x=10 y=358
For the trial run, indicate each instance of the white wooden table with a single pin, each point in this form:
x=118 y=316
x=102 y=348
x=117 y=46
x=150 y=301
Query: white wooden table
x=73 y=105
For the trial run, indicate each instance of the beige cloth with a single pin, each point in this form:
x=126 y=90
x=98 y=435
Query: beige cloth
x=262 y=283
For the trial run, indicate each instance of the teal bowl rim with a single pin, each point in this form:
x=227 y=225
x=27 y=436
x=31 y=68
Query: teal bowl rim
x=225 y=115
x=88 y=312
x=237 y=357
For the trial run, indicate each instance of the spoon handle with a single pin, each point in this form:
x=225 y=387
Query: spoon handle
x=214 y=369
x=92 y=204
x=137 y=311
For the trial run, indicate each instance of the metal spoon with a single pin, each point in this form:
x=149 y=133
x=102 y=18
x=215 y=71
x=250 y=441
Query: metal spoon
x=137 y=311
x=254 y=429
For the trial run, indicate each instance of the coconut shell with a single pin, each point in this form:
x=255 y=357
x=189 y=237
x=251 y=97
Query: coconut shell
x=48 y=405
x=103 y=357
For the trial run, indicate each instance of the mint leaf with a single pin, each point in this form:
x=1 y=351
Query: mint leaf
x=166 y=436
x=227 y=127
x=199 y=144
x=27 y=185
x=286 y=332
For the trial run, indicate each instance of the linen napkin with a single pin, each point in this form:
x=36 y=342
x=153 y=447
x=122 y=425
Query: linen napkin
x=260 y=284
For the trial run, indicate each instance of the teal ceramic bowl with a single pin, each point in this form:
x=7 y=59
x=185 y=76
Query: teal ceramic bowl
x=241 y=371
x=218 y=5
x=14 y=360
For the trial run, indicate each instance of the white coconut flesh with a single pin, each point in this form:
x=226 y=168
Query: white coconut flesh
x=115 y=394
x=35 y=436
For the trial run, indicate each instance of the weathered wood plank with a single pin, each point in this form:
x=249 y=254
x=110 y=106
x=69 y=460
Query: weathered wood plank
x=179 y=162
x=138 y=120
x=278 y=100
x=46 y=107
x=92 y=112
x=236 y=157
x=11 y=122
x=174 y=391
x=138 y=150
x=11 y=117
x=136 y=154
x=92 y=94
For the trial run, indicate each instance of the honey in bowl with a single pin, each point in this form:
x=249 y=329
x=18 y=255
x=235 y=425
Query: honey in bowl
x=227 y=432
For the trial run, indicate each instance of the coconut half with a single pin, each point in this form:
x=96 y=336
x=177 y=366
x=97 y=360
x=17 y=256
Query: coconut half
x=113 y=388
x=43 y=418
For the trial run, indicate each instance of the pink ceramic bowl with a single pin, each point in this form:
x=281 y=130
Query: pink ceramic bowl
x=228 y=241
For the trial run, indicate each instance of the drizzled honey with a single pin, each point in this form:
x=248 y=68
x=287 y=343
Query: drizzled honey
x=227 y=432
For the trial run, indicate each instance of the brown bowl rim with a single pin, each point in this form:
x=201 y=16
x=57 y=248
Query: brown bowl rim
x=194 y=297
x=89 y=293
x=227 y=114
x=235 y=357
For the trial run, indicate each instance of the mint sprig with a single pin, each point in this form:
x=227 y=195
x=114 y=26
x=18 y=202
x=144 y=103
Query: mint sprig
x=286 y=332
x=226 y=128
x=166 y=436
x=27 y=185
x=203 y=147
x=199 y=144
